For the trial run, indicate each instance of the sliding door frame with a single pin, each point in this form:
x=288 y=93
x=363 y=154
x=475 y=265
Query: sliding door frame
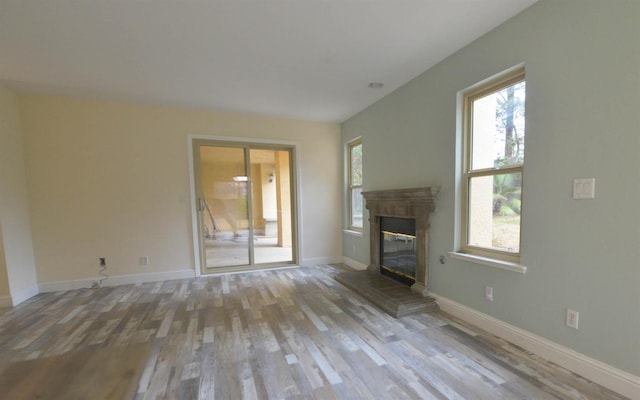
x=259 y=143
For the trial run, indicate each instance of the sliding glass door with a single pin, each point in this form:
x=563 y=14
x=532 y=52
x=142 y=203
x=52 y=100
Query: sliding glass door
x=246 y=205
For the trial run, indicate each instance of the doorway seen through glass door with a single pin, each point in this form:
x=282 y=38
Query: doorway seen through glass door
x=245 y=206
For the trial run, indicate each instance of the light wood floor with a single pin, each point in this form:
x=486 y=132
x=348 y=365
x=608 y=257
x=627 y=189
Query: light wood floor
x=282 y=334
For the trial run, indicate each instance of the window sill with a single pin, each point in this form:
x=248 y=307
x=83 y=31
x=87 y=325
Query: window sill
x=353 y=233
x=491 y=262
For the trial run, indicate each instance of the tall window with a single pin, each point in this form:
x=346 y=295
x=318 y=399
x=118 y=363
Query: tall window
x=355 y=185
x=494 y=128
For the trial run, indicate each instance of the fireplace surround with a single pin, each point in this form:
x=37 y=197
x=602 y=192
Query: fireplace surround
x=416 y=204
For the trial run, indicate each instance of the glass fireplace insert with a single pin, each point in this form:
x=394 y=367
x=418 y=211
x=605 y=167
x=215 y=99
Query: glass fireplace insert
x=398 y=249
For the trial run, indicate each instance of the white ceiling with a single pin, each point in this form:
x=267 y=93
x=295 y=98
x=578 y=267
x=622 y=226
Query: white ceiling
x=305 y=59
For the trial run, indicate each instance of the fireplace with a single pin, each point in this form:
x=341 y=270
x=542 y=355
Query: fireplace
x=399 y=234
x=398 y=249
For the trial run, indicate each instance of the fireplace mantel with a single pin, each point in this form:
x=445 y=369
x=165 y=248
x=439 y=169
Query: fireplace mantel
x=418 y=204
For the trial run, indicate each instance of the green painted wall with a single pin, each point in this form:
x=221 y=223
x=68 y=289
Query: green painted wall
x=582 y=62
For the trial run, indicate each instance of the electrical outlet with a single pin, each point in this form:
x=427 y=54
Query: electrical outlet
x=572 y=318
x=488 y=293
x=103 y=261
x=144 y=260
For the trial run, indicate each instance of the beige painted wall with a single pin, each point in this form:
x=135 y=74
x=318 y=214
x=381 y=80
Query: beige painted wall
x=17 y=271
x=112 y=180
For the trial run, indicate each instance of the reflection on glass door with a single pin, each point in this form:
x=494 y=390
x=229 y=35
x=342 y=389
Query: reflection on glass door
x=245 y=206
x=223 y=206
x=271 y=193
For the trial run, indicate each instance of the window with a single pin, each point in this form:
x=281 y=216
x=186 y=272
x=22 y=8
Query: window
x=494 y=129
x=355 y=185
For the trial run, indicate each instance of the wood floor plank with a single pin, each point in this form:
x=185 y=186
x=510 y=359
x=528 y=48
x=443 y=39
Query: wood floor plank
x=97 y=374
x=281 y=334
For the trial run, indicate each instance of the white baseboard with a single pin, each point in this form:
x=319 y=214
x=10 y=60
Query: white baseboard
x=116 y=280
x=308 y=262
x=5 y=301
x=19 y=296
x=606 y=375
x=357 y=265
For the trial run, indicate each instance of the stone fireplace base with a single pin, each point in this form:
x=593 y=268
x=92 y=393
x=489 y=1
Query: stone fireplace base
x=393 y=297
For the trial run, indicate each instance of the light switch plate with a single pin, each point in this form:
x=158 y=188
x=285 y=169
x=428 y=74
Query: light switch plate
x=584 y=188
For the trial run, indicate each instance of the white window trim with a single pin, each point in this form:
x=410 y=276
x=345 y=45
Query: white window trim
x=353 y=233
x=491 y=262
